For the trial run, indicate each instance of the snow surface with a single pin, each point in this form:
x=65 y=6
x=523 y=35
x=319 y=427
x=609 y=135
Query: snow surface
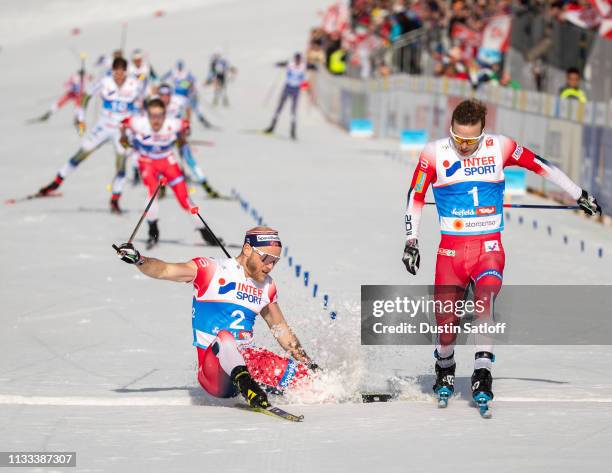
x=96 y=358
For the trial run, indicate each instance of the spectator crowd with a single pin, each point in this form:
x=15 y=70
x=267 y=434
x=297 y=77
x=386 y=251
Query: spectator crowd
x=464 y=39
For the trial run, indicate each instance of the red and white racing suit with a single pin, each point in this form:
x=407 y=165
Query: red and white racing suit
x=469 y=193
x=155 y=150
x=225 y=305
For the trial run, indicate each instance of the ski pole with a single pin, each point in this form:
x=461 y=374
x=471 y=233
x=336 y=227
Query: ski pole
x=533 y=206
x=124 y=27
x=196 y=211
x=162 y=182
x=202 y=142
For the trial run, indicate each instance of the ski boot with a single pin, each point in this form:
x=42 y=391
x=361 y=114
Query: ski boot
x=213 y=194
x=54 y=185
x=153 y=234
x=445 y=378
x=135 y=177
x=482 y=386
x=207 y=236
x=205 y=123
x=114 y=204
x=293 y=133
x=270 y=129
x=45 y=116
x=250 y=390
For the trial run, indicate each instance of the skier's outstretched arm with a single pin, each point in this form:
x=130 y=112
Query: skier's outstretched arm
x=515 y=155
x=285 y=337
x=156 y=268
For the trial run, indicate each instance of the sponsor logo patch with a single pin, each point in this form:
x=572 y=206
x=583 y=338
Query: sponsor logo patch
x=451 y=168
x=479 y=165
x=518 y=152
x=267 y=238
x=225 y=288
x=489 y=142
x=490 y=272
x=245 y=335
x=445 y=252
x=462 y=212
x=458 y=224
x=486 y=210
x=491 y=245
x=420 y=181
x=288 y=375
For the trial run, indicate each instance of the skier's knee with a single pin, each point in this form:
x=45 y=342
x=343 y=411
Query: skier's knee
x=80 y=156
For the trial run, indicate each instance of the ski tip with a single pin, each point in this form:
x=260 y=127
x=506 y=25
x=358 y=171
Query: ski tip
x=10 y=201
x=484 y=411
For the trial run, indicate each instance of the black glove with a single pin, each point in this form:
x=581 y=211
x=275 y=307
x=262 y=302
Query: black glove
x=312 y=366
x=412 y=258
x=129 y=254
x=588 y=204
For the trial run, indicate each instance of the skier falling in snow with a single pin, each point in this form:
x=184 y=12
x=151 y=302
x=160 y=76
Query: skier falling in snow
x=119 y=94
x=466 y=172
x=228 y=295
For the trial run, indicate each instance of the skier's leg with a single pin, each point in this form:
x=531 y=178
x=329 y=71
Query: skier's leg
x=451 y=278
x=295 y=95
x=487 y=275
x=120 y=170
x=222 y=371
x=149 y=178
x=216 y=90
x=64 y=99
x=176 y=180
x=187 y=155
x=93 y=140
x=118 y=181
x=216 y=363
x=279 y=108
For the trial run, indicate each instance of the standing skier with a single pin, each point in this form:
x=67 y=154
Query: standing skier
x=153 y=137
x=141 y=69
x=466 y=171
x=74 y=87
x=228 y=295
x=295 y=76
x=218 y=75
x=119 y=95
x=184 y=83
